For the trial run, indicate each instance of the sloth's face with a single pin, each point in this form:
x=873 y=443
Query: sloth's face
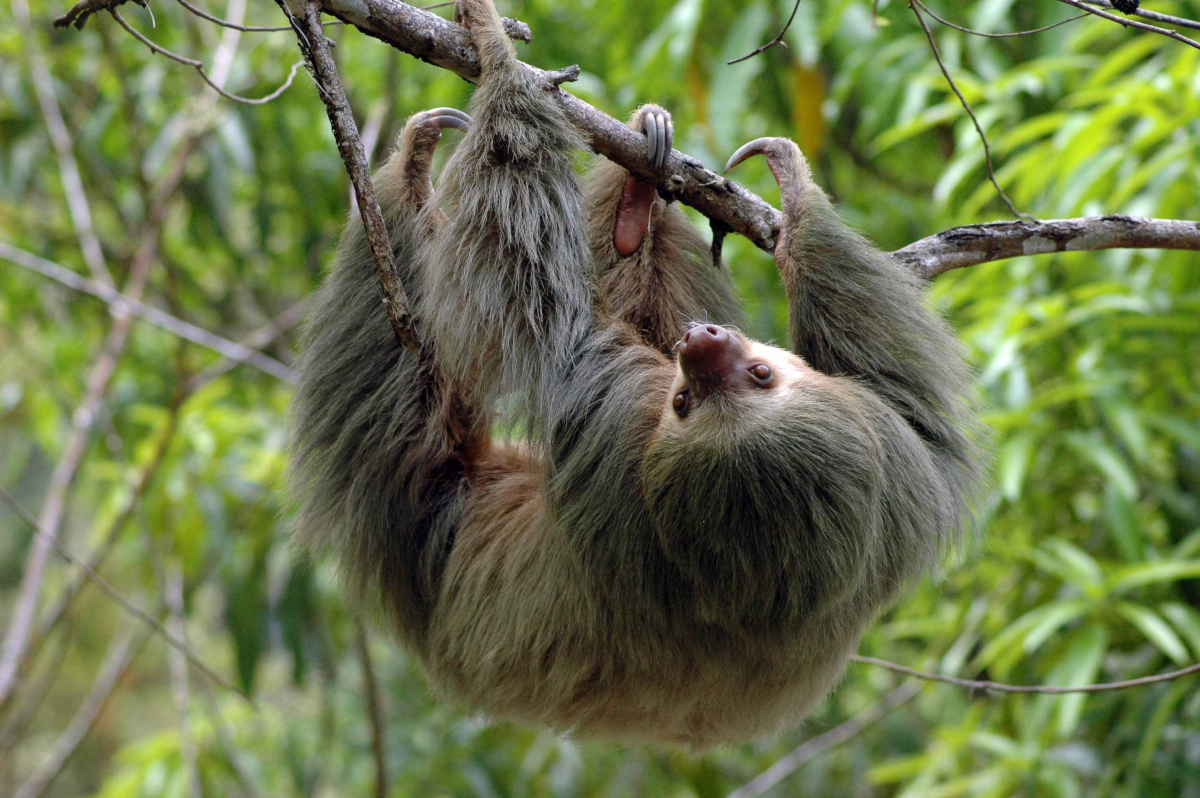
x=751 y=470
x=725 y=380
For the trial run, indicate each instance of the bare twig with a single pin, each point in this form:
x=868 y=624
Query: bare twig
x=950 y=24
x=177 y=665
x=1000 y=687
x=199 y=66
x=245 y=776
x=1130 y=23
x=777 y=40
x=374 y=711
x=255 y=340
x=159 y=318
x=810 y=749
x=987 y=150
x=77 y=581
x=58 y=610
x=341 y=119
x=224 y=23
x=68 y=167
x=981 y=243
x=1145 y=13
x=32 y=694
x=120 y=654
x=128 y=606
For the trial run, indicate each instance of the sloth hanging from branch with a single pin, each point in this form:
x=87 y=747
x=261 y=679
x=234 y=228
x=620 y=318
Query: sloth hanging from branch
x=695 y=527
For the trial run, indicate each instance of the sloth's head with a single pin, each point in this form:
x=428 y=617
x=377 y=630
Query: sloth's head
x=718 y=373
x=757 y=459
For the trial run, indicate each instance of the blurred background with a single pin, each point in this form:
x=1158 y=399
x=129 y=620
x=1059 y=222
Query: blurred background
x=159 y=461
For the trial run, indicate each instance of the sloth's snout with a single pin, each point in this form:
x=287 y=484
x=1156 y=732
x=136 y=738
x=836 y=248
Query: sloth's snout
x=709 y=356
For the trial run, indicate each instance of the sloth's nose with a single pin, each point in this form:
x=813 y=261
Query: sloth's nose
x=708 y=355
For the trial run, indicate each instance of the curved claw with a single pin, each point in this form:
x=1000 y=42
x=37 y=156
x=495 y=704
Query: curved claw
x=656 y=125
x=668 y=140
x=653 y=140
x=748 y=150
x=448 y=118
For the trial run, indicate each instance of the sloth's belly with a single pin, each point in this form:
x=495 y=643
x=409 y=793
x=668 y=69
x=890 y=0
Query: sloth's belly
x=591 y=691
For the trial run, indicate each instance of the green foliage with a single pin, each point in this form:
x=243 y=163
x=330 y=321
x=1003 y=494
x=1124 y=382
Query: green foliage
x=1087 y=566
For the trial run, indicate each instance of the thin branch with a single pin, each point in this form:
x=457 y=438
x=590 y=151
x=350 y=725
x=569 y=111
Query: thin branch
x=810 y=749
x=981 y=243
x=777 y=40
x=341 y=119
x=987 y=150
x=1145 y=13
x=120 y=655
x=224 y=23
x=1129 y=23
x=258 y=339
x=950 y=24
x=64 y=150
x=981 y=686
x=32 y=695
x=159 y=318
x=374 y=711
x=177 y=666
x=245 y=776
x=108 y=538
x=128 y=606
x=199 y=66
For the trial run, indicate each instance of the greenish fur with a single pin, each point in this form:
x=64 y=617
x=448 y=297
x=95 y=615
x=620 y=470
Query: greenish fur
x=621 y=574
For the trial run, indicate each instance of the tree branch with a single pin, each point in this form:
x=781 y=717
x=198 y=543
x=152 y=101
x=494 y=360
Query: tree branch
x=120 y=654
x=983 y=686
x=159 y=318
x=915 y=5
x=1129 y=23
x=64 y=148
x=444 y=44
x=1154 y=15
x=839 y=734
x=118 y=597
x=315 y=47
x=981 y=243
x=374 y=711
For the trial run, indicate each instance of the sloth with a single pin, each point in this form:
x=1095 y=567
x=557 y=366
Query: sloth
x=692 y=530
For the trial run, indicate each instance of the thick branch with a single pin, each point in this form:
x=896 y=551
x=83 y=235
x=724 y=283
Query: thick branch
x=447 y=45
x=444 y=44
x=980 y=243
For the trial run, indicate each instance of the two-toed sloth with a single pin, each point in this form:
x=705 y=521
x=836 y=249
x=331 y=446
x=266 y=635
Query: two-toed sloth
x=696 y=527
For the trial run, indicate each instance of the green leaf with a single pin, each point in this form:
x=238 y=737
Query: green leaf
x=1080 y=665
x=1015 y=458
x=1107 y=461
x=1187 y=621
x=1156 y=630
x=1126 y=579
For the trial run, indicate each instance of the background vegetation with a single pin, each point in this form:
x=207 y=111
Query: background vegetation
x=1088 y=568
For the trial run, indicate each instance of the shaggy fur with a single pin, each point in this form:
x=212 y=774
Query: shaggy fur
x=626 y=572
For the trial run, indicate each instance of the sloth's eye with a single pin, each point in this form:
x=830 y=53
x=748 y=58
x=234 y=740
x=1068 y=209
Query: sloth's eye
x=761 y=372
x=681 y=404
